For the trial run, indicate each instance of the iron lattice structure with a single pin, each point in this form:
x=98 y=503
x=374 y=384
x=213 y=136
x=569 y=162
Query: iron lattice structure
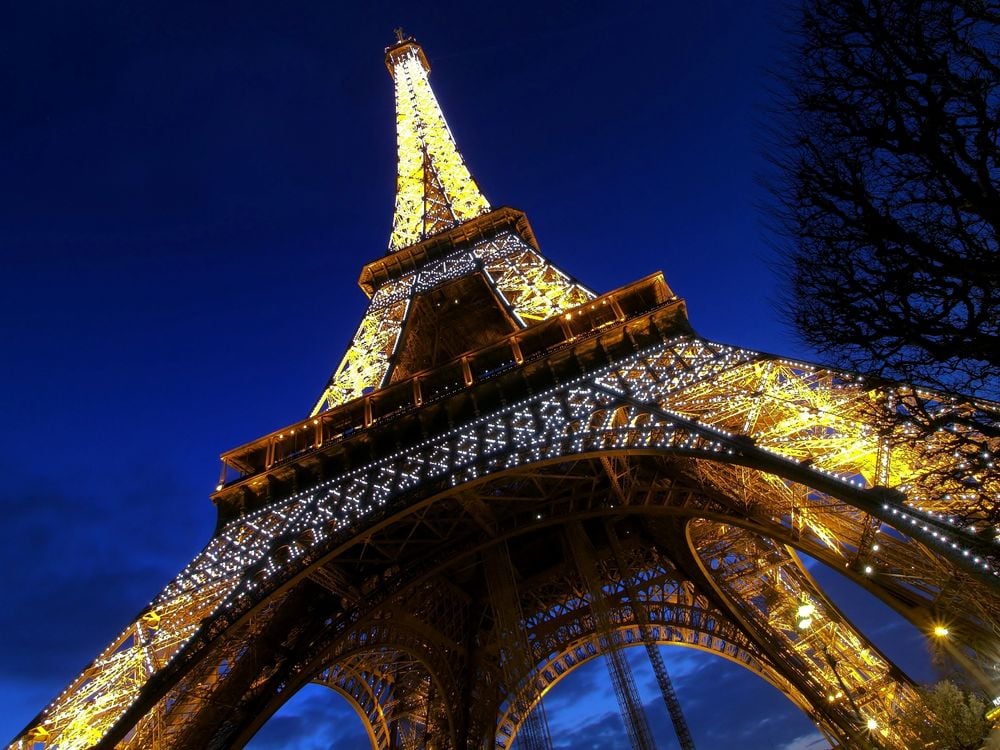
x=509 y=475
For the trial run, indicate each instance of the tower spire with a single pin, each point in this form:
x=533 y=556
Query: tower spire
x=434 y=189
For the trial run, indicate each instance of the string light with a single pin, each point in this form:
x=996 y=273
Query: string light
x=684 y=395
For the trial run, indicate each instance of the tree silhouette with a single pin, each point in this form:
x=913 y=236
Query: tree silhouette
x=889 y=188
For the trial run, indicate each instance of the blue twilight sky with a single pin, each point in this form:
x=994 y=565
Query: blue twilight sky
x=189 y=190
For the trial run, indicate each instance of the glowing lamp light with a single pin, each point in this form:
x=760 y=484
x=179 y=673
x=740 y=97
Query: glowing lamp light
x=872 y=724
x=804 y=616
x=940 y=631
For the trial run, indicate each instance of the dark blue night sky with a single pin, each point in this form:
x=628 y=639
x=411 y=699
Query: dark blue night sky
x=187 y=194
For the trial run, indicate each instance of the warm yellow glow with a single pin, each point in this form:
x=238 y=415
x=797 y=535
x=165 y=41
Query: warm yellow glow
x=804 y=616
x=535 y=289
x=434 y=190
x=823 y=421
x=81 y=715
x=367 y=359
x=835 y=654
x=524 y=281
x=151 y=620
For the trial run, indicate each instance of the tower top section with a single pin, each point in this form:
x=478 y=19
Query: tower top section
x=404 y=45
x=434 y=189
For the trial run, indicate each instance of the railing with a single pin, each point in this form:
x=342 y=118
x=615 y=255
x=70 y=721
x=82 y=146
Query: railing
x=537 y=342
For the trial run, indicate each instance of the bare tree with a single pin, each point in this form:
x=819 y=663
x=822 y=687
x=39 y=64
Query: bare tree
x=889 y=188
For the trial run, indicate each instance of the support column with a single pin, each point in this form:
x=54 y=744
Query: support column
x=515 y=657
x=639 y=612
x=622 y=680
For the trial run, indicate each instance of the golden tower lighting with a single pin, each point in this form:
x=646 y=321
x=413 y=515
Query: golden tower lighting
x=509 y=474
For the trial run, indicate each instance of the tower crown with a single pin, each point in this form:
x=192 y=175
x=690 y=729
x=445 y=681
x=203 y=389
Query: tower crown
x=434 y=189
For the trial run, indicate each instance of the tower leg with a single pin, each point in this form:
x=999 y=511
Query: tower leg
x=684 y=738
x=515 y=658
x=629 y=703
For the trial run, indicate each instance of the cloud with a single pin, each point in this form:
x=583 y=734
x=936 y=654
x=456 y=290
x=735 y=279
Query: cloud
x=315 y=718
x=77 y=566
x=602 y=733
x=813 y=741
x=725 y=705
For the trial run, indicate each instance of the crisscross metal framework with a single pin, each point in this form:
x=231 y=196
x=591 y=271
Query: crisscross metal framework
x=653 y=402
x=352 y=545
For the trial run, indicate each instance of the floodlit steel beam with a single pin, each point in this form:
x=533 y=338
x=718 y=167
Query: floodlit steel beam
x=638 y=607
x=626 y=692
x=515 y=652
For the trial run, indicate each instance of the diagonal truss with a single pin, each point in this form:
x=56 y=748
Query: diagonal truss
x=653 y=401
x=435 y=193
x=812 y=667
x=619 y=671
x=592 y=408
x=525 y=283
x=772 y=593
x=514 y=652
x=641 y=616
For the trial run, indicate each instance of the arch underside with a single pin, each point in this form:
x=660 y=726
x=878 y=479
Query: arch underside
x=680 y=619
x=747 y=613
x=647 y=441
x=422 y=612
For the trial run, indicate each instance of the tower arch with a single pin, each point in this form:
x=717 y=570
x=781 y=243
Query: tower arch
x=358 y=533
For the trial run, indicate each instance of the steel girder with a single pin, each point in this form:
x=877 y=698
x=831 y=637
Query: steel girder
x=365 y=577
x=654 y=402
x=530 y=287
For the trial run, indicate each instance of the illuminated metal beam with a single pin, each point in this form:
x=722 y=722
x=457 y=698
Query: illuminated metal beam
x=514 y=652
x=777 y=600
x=780 y=450
x=641 y=616
x=626 y=692
x=711 y=385
x=434 y=189
x=521 y=279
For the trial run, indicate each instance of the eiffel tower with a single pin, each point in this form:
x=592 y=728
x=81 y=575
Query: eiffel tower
x=509 y=475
